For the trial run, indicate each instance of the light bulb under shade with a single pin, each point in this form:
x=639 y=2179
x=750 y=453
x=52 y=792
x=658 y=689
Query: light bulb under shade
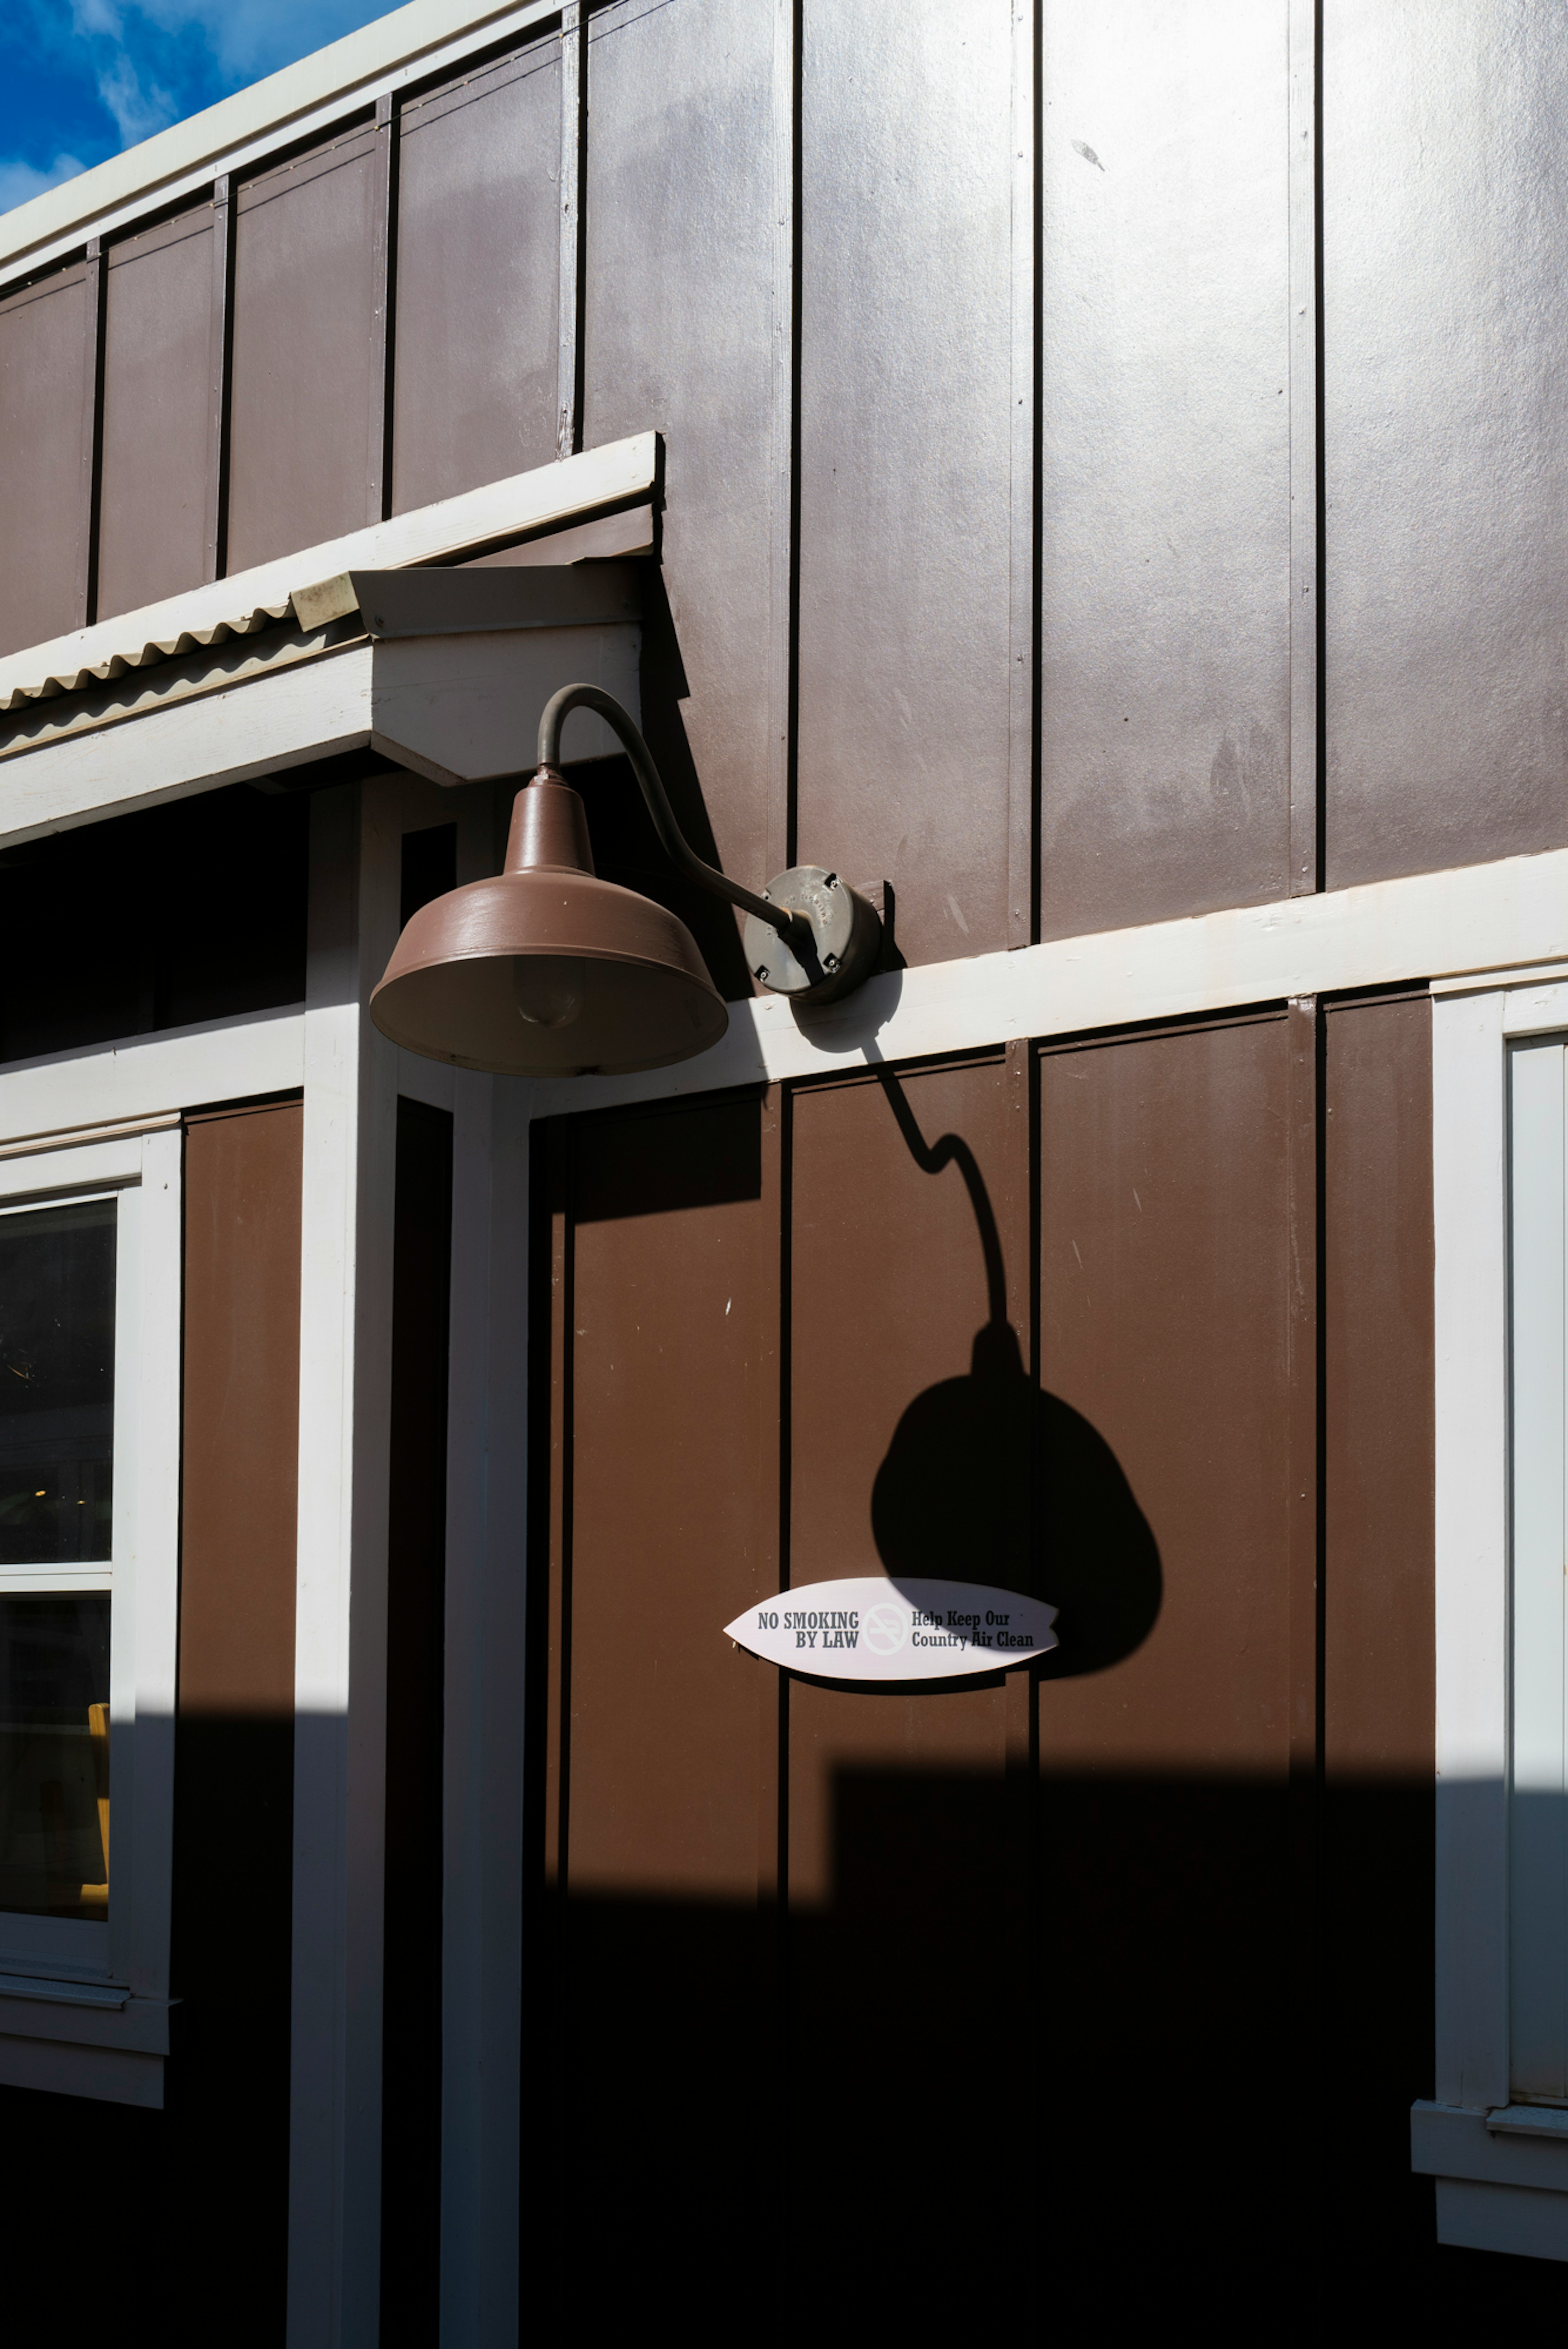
x=644 y=996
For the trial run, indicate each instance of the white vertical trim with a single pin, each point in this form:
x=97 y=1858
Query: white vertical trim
x=1538 y=1781
x=482 y=1761
x=156 y=1207
x=333 y=1044
x=1470 y=1206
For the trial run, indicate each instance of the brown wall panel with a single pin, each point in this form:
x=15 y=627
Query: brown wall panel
x=1165 y=589
x=159 y=320
x=679 y=333
x=45 y=388
x=1163 y=1305
x=1167 y=1949
x=233 y=1823
x=1445 y=432
x=479 y=239
x=1379 y=1659
x=242 y=1412
x=906 y=407
x=903 y=1850
x=305 y=408
x=673 y=1516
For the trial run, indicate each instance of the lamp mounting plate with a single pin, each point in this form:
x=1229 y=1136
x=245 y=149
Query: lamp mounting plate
x=846 y=932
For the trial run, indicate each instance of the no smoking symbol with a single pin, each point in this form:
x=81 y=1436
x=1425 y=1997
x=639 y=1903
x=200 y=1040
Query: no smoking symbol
x=884 y=1629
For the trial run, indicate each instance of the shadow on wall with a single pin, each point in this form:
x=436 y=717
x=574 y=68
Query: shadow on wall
x=990 y=1468
x=927 y=2107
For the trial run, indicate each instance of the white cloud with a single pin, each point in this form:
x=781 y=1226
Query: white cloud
x=20 y=183
x=137 y=112
x=252 y=38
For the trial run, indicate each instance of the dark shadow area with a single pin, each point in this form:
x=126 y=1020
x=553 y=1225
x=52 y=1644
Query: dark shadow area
x=174 y=915
x=990 y=1479
x=181 y=2212
x=1104 y=2108
x=626 y=846
x=673 y=1156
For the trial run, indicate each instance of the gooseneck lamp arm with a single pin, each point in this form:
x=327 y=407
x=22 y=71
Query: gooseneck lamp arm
x=794 y=927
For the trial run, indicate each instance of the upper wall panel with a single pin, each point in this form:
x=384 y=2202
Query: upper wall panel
x=307 y=410
x=45 y=375
x=679 y=333
x=160 y=370
x=478 y=270
x=904 y=461
x=1166 y=467
x=1446 y=434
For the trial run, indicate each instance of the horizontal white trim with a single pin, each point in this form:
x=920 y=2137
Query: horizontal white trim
x=77 y=1137
x=136 y=1082
x=1514 y=912
x=1477 y=982
x=409 y=44
x=565 y=491
x=1543 y=2121
x=63 y=1993
x=1453 y=2141
x=1516 y=2218
x=110 y=2075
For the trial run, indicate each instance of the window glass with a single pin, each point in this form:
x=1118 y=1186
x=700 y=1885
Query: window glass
x=57 y=1384
x=54 y=1755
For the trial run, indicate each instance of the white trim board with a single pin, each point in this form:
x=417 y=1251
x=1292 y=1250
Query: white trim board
x=1473 y=919
x=412 y=44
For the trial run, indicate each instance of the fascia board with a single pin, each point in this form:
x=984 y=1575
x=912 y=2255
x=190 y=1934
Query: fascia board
x=453 y=709
x=406 y=45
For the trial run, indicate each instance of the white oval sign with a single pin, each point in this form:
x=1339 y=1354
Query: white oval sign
x=868 y=1629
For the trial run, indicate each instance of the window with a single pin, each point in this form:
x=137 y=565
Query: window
x=1495 y=2136
x=90 y=1304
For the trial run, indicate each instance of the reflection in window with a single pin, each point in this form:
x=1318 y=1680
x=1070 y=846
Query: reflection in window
x=57 y=1384
x=54 y=1755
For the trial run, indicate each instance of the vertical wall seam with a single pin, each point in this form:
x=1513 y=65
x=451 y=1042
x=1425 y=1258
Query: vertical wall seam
x=91 y=490
x=1304 y=340
x=571 y=309
x=785 y=637
x=219 y=362
x=384 y=268
x=1022 y=662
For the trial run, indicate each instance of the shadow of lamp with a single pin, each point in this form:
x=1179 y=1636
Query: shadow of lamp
x=547 y=971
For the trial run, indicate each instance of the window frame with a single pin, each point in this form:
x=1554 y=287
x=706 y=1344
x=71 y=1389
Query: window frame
x=1501 y=2169
x=102 y=1989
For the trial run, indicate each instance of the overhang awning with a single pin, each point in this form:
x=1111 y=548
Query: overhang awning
x=441 y=669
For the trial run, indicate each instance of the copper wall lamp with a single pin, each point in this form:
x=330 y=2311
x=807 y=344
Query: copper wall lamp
x=547 y=971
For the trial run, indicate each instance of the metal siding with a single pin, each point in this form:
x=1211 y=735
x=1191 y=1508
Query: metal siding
x=478 y=279
x=674 y=1289
x=905 y=475
x=1165 y=1853
x=666 y=1424
x=305 y=408
x=1446 y=194
x=678 y=332
x=45 y=383
x=1378 y=1656
x=900 y=1861
x=157 y=402
x=1165 y=586
x=234 y=1731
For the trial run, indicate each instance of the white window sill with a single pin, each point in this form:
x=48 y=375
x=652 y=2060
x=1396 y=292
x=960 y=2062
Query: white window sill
x=1502 y=2176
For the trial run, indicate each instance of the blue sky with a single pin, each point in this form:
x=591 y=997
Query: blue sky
x=80 y=79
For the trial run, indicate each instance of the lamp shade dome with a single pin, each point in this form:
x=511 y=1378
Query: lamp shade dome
x=546 y=970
